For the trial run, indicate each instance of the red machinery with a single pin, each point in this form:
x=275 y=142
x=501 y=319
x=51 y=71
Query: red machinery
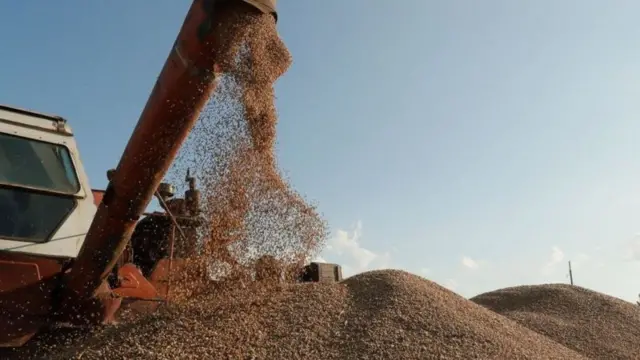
x=57 y=251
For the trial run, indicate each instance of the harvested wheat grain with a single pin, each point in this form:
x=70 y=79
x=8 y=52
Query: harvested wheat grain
x=376 y=315
x=259 y=322
x=397 y=315
x=596 y=325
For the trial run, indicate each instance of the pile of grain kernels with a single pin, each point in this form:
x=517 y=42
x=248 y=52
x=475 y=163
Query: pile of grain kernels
x=594 y=324
x=377 y=315
x=396 y=315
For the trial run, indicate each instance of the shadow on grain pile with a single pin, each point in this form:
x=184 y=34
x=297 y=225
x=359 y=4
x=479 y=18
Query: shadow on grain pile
x=596 y=325
x=386 y=314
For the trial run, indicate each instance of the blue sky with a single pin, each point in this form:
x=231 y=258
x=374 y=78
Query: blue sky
x=481 y=144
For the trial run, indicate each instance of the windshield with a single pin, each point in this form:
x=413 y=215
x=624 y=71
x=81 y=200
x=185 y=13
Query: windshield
x=31 y=216
x=36 y=164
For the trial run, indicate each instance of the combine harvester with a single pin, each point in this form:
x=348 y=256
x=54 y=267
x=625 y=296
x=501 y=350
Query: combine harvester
x=62 y=244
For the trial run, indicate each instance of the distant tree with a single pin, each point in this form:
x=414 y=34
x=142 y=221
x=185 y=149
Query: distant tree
x=638 y=301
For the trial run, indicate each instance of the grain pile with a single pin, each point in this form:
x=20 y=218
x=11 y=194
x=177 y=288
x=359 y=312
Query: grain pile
x=258 y=322
x=397 y=315
x=376 y=315
x=596 y=325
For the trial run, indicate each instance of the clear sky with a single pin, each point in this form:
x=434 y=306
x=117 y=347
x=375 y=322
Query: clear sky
x=480 y=144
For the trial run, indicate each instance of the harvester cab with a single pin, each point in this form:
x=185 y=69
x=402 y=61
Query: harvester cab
x=45 y=198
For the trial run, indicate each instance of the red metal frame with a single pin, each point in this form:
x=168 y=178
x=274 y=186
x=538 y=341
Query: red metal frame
x=97 y=196
x=27 y=285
